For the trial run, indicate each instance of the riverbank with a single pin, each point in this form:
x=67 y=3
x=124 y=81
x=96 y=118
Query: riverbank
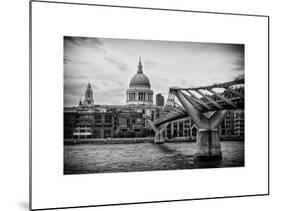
x=134 y=140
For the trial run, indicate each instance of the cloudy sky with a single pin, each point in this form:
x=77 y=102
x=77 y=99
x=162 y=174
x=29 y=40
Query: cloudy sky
x=108 y=64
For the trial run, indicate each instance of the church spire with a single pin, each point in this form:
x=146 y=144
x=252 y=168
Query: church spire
x=140 y=66
x=80 y=102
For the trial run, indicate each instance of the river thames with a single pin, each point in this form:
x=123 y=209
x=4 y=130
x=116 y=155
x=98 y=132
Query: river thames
x=105 y=158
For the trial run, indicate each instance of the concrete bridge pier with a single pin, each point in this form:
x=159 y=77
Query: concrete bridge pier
x=159 y=138
x=208 y=145
x=208 y=140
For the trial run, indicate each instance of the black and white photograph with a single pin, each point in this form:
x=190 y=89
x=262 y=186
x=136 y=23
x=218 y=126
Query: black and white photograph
x=117 y=105
x=145 y=105
x=133 y=105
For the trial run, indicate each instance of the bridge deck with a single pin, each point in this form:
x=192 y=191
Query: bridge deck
x=224 y=96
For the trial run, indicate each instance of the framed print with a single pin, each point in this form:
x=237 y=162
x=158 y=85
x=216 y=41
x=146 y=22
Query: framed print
x=140 y=105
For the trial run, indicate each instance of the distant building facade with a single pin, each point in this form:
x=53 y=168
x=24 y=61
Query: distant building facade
x=102 y=121
x=88 y=123
x=231 y=127
x=239 y=121
x=160 y=100
x=185 y=129
x=227 y=125
x=89 y=120
x=233 y=124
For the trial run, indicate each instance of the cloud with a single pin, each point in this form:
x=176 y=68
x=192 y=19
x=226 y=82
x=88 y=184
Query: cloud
x=241 y=76
x=117 y=63
x=79 y=50
x=77 y=77
x=103 y=76
x=72 y=94
x=121 y=83
x=116 y=92
x=150 y=64
x=92 y=43
x=74 y=90
x=76 y=61
x=70 y=99
x=238 y=48
x=67 y=61
x=165 y=79
x=110 y=96
x=105 y=83
x=110 y=63
x=239 y=63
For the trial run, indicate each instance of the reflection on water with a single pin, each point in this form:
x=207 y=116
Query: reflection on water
x=90 y=158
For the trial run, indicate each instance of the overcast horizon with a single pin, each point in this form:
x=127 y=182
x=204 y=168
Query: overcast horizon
x=108 y=64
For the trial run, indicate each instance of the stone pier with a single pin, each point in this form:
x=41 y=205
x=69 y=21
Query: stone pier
x=208 y=140
x=159 y=138
x=208 y=145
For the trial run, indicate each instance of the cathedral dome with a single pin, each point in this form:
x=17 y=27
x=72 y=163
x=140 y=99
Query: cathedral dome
x=139 y=91
x=139 y=79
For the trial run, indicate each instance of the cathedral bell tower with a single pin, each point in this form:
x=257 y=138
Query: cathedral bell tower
x=89 y=101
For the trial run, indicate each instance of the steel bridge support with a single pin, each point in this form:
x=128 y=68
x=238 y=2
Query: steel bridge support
x=159 y=138
x=208 y=140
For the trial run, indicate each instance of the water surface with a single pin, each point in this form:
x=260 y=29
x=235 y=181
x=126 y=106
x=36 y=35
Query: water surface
x=92 y=158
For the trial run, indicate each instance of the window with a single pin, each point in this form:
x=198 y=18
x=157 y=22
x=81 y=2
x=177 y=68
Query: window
x=96 y=133
x=98 y=118
x=107 y=133
x=108 y=118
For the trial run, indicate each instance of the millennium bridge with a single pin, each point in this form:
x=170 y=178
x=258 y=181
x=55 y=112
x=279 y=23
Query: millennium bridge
x=207 y=107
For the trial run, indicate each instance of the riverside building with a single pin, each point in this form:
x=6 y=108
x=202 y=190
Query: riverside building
x=88 y=120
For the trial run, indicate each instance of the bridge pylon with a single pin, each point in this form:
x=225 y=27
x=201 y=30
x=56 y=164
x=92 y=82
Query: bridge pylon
x=159 y=138
x=208 y=140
